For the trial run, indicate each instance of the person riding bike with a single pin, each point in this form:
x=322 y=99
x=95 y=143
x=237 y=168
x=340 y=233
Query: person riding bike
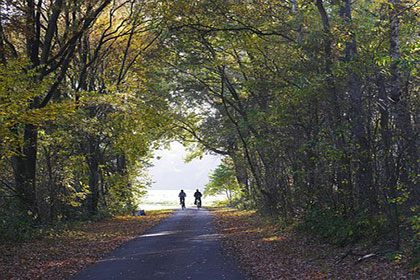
x=197 y=196
x=182 y=196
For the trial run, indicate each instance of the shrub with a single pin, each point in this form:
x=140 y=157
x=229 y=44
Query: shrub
x=340 y=230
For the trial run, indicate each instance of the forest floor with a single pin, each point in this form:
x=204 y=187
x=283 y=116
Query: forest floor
x=61 y=254
x=265 y=250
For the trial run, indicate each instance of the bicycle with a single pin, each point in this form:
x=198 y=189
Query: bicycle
x=182 y=203
x=198 y=203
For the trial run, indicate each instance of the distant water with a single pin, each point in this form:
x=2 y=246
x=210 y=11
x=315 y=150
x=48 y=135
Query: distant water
x=168 y=199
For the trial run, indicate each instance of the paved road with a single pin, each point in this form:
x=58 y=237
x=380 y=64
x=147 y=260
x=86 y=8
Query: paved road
x=184 y=246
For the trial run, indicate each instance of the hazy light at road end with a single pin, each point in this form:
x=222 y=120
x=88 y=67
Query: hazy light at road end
x=170 y=172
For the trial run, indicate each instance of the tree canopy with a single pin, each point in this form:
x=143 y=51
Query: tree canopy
x=314 y=104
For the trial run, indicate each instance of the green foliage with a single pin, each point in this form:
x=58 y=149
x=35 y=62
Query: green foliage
x=414 y=233
x=17 y=88
x=340 y=230
x=16 y=227
x=223 y=181
x=19 y=226
x=96 y=118
x=415 y=225
x=221 y=203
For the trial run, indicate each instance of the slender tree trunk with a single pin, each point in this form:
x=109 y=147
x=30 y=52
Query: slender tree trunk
x=25 y=168
x=388 y=163
x=364 y=172
x=52 y=188
x=407 y=146
x=25 y=160
x=2 y=44
x=93 y=196
x=334 y=115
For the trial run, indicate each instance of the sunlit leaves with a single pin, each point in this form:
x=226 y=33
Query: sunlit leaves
x=223 y=180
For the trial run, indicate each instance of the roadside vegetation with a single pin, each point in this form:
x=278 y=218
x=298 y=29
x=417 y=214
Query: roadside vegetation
x=265 y=249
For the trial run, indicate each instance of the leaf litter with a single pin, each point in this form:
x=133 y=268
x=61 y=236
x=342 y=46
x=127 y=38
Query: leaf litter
x=62 y=254
x=266 y=251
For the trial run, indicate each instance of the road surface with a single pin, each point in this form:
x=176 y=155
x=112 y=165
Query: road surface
x=184 y=246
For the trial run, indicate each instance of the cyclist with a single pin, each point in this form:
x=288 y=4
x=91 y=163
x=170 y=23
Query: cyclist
x=182 y=196
x=197 y=196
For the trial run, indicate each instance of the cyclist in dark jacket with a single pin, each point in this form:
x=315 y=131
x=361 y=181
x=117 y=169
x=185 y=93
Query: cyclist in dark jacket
x=197 y=196
x=182 y=196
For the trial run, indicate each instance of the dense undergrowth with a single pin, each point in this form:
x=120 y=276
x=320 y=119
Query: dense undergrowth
x=374 y=232
x=269 y=249
x=23 y=226
x=341 y=231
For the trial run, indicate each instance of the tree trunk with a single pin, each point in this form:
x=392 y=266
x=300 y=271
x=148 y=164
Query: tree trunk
x=25 y=168
x=406 y=142
x=93 y=196
x=241 y=175
x=334 y=114
x=364 y=172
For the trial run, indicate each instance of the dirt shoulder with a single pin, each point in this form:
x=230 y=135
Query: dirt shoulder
x=62 y=254
x=265 y=251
